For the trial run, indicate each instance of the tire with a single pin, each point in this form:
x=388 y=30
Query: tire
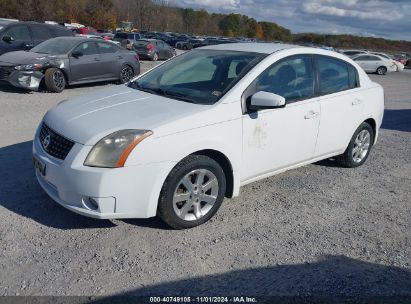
x=184 y=47
x=155 y=57
x=126 y=74
x=382 y=70
x=348 y=159
x=55 y=80
x=180 y=208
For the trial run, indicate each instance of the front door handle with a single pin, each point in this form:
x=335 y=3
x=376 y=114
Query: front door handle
x=311 y=115
x=96 y=59
x=357 y=102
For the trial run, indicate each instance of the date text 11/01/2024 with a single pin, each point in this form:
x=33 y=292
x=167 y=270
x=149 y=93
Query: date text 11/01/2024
x=203 y=300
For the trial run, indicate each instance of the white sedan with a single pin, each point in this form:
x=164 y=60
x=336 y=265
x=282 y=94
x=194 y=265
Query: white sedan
x=372 y=63
x=180 y=138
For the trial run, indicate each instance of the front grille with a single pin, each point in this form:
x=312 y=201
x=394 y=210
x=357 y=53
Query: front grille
x=54 y=144
x=5 y=72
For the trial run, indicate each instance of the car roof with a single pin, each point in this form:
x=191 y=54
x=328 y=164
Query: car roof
x=264 y=48
x=79 y=39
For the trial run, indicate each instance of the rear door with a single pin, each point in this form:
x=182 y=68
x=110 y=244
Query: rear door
x=21 y=39
x=341 y=104
x=110 y=59
x=87 y=66
x=40 y=33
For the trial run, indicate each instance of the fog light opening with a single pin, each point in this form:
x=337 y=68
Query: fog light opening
x=91 y=203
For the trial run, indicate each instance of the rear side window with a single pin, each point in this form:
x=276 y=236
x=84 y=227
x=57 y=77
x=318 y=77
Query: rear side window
x=107 y=48
x=19 y=32
x=87 y=48
x=40 y=32
x=333 y=75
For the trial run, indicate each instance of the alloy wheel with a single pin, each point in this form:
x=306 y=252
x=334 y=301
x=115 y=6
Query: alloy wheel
x=195 y=195
x=361 y=146
x=59 y=80
x=126 y=74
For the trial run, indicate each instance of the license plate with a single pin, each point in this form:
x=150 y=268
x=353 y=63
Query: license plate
x=39 y=165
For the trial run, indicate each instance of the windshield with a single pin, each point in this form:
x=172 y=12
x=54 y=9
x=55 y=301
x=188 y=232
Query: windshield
x=56 y=46
x=198 y=76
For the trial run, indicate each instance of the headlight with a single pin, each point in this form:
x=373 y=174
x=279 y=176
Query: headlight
x=29 y=67
x=112 y=151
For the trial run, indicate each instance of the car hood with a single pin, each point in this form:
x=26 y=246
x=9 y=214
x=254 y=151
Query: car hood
x=23 y=57
x=89 y=118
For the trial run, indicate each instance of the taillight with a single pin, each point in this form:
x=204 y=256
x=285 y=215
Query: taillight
x=136 y=56
x=150 y=46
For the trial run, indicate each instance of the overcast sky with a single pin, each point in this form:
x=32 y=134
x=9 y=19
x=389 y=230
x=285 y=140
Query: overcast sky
x=379 y=18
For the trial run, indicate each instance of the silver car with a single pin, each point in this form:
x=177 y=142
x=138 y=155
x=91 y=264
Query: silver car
x=63 y=61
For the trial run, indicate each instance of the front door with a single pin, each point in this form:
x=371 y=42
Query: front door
x=274 y=139
x=88 y=65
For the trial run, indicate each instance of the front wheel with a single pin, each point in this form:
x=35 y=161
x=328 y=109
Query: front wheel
x=359 y=148
x=192 y=193
x=54 y=80
x=382 y=70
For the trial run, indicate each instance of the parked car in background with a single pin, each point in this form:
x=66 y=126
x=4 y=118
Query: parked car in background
x=190 y=44
x=153 y=49
x=398 y=64
x=353 y=53
x=127 y=38
x=403 y=58
x=375 y=64
x=188 y=133
x=85 y=31
x=63 y=61
x=16 y=36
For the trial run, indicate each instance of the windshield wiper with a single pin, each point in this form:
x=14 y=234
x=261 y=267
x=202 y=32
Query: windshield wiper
x=179 y=96
x=162 y=92
x=157 y=91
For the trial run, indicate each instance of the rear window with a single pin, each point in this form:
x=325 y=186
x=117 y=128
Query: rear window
x=333 y=75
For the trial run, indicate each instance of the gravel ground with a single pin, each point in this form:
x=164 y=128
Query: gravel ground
x=318 y=230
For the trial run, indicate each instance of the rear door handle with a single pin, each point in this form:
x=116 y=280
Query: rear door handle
x=311 y=115
x=120 y=57
x=96 y=59
x=357 y=102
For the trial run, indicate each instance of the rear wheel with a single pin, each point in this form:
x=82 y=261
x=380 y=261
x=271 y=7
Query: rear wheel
x=192 y=193
x=359 y=148
x=55 y=80
x=382 y=70
x=155 y=57
x=126 y=74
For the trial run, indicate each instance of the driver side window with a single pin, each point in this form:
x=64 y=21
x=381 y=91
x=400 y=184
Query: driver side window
x=291 y=78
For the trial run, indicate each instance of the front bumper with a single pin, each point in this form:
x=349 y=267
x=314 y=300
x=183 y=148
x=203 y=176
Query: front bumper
x=128 y=192
x=29 y=80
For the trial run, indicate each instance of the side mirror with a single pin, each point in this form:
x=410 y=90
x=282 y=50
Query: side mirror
x=266 y=100
x=77 y=54
x=8 y=39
